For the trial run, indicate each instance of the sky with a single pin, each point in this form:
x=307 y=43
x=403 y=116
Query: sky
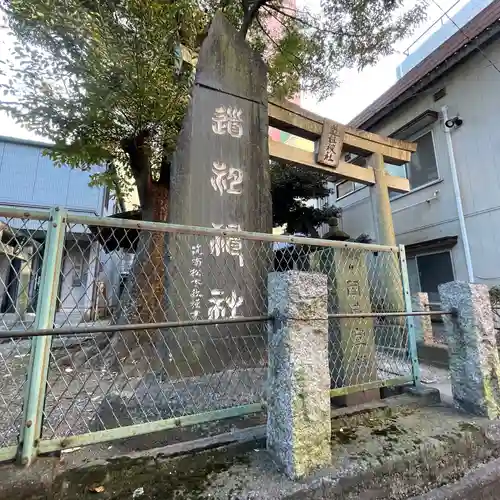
x=356 y=90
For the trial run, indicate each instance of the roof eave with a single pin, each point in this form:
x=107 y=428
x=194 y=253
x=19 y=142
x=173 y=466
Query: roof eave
x=476 y=32
x=488 y=36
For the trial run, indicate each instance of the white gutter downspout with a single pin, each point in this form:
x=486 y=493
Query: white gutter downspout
x=458 y=197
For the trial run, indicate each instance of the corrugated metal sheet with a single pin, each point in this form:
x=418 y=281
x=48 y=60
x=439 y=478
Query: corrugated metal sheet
x=28 y=178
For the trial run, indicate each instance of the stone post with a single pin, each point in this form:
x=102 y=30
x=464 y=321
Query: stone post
x=298 y=400
x=473 y=354
x=23 y=293
x=423 y=324
x=220 y=179
x=352 y=340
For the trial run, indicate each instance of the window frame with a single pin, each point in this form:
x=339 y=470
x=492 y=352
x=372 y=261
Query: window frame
x=415 y=138
x=354 y=190
x=436 y=252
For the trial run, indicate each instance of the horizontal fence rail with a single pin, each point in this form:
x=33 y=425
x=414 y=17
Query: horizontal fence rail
x=139 y=327
x=393 y=314
x=114 y=223
x=70 y=331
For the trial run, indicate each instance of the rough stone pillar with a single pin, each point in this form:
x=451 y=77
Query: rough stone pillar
x=23 y=295
x=473 y=354
x=220 y=179
x=298 y=406
x=423 y=324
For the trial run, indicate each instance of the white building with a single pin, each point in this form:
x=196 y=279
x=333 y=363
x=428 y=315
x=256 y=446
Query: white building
x=29 y=179
x=450 y=219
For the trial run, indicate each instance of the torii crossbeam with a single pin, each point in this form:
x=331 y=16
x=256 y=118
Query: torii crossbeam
x=334 y=139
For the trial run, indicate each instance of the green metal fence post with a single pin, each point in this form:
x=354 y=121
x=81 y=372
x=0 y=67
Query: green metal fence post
x=40 y=346
x=412 y=338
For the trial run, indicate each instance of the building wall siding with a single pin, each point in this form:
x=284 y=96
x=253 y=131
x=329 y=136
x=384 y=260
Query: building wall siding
x=28 y=178
x=472 y=92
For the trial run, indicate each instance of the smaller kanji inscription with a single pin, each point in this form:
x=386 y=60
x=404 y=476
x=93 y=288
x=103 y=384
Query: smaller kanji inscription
x=330 y=146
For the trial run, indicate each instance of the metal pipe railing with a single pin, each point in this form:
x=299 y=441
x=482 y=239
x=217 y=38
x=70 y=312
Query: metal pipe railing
x=115 y=223
x=390 y=314
x=85 y=330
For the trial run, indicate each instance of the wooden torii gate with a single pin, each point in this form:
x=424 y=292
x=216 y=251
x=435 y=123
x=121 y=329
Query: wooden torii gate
x=333 y=140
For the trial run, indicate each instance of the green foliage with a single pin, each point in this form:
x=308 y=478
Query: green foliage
x=495 y=295
x=89 y=75
x=105 y=81
x=291 y=188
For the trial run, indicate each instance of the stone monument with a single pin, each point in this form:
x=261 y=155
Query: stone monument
x=472 y=346
x=351 y=340
x=220 y=179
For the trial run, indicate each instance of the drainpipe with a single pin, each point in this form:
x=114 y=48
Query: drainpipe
x=458 y=196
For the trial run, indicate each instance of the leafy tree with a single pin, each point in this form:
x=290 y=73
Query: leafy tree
x=292 y=187
x=105 y=80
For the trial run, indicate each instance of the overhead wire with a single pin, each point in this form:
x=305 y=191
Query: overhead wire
x=406 y=51
x=479 y=49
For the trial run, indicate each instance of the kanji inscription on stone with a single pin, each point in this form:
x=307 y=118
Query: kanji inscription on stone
x=220 y=180
x=352 y=339
x=331 y=142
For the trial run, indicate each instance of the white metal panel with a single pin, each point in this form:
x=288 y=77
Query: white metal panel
x=79 y=194
x=50 y=183
x=28 y=178
x=19 y=168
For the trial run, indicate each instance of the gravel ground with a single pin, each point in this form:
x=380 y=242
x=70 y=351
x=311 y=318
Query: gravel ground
x=439 y=333
x=88 y=398
x=14 y=360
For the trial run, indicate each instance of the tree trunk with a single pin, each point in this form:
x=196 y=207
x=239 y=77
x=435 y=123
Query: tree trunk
x=144 y=297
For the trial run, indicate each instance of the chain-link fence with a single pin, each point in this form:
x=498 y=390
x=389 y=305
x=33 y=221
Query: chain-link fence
x=21 y=258
x=155 y=326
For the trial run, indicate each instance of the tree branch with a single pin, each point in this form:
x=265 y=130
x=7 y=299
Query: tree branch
x=165 y=167
x=309 y=24
x=11 y=103
x=277 y=45
x=250 y=16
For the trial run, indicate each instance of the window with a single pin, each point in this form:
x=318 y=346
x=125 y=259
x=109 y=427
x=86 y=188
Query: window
x=426 y=272
x=397 y=170
x=346 y=187
x=422 y=168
